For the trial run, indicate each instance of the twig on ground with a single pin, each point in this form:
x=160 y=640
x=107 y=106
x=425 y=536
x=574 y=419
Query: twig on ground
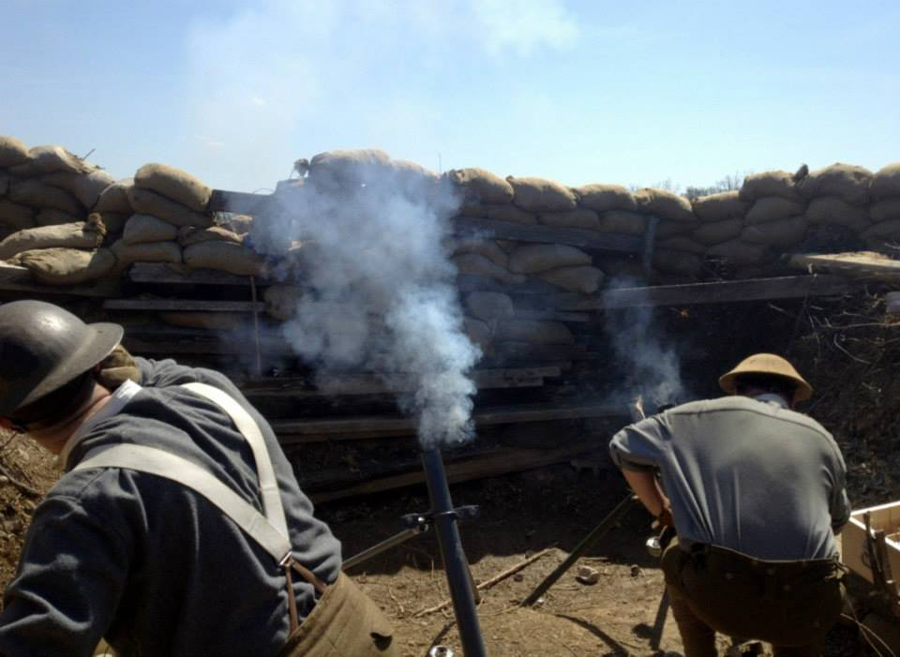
x=25 y=488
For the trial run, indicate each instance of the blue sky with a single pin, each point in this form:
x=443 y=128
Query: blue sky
x=632 y=93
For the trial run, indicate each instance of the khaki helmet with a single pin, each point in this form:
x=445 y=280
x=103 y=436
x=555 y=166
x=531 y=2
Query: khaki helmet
x=43 y=347
x=767 y=364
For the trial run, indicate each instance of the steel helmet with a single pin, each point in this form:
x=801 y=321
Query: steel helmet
x=43 y=347
x=767 y=364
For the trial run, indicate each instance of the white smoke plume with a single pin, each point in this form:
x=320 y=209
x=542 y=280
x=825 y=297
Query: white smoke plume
x=367 y=244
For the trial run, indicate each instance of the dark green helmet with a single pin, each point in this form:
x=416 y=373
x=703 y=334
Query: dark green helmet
x=43 y=347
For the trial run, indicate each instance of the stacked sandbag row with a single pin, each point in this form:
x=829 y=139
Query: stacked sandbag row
x=884 y=207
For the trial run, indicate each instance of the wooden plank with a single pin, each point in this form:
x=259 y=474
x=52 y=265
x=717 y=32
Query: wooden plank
x=579 y=237
x=151 y=272
x=13 y=274
x=188 y=305
x=758 y=289
x=314 y=430
x=870 y=265
x=526 y=313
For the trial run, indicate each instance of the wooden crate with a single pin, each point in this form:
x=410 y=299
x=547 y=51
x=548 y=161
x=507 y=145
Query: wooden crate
x=886 y=517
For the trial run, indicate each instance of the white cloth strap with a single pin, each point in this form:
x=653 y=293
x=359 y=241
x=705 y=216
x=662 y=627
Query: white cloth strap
x=151 y=460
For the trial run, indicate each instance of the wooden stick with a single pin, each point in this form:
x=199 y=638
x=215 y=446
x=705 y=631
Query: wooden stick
x=493 y=581
x=256 y=325
x=25 y=488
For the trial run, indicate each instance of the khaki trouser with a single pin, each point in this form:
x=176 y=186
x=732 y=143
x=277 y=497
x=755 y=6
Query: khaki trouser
x=790 y=604
x=344 y=623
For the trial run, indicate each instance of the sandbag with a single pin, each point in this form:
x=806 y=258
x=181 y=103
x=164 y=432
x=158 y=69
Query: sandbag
x=578 y=218
x=412 y=179
x=37 y=194
x=115 y=198
x=622 y=221
x=681 y=243
x=147 y=202
x=665 y=205
x=540 y=195
x=487 y=248
x=739 y=253
x=666 y=229
x=886 y=182
x=846 y=181
x=680 y=263
x=479 y=334
x=716 y=232
x=773 y=208
x=12 y=151
x=188 y=235
x=778 y=234
x=174 y=184
x=769 y=183
x=79 y=235
x=13 y=215
x=352 y=167
x=224 y=256
x=889 y=229
x=837 y=212
x=143 y=228
x=534 y=258
x=719 y=207
x=500 y=213
x=584 y=279
x=282 y=301
x=603 y=198
x=47 y=159
x=534 y=331
x=889 y=208
x=477 y=265
x=239 y=224
x=86 y=187
x=212 y=321
x=54 y=217
x=489 y=306
x=4 y=183
x=127 y=254
x=62 y=266
x=115 y=221
x=481 y=186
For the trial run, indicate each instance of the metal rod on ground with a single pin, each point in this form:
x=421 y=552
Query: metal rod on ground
x=386 y=544
x=586 y=544
x=459 y=578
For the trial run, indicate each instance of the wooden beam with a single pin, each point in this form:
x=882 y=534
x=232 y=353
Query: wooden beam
x=185 y=305
x=758 y=289
x=579 y=237
x=316 y=430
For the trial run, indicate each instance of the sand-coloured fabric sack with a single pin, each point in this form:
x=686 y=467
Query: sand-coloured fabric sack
x=624 y=222
x=682 y=243
x=481 y=186
x=127 y=254
x=584 y=279
x=534 y=258
x=477 y=265
x=534 y=331
x=224 y=256
x=352 y=167
x=12 y=151
x=489 y=306
x=666 y=229
x=578 y=218
x=834 y=211
x=13 y=215
x=886 y=182
x=773 y=208
x=174 y=184
x=487 y=248
x=115 y=198
x=679 y=263
x=779 y=234
x=54 y=217
x=62 y=266
x=145 y=201
x=739 y=253
x=188 y=235
x=603 y=198
x=716 y=232
x=143 y=228
x=282 y=301
x=4 y=183
x=37 y=194
x=719 y=207
x=540 y=195
x=846 y=181
x=47 y=159
x=479 y=334
x=79 y=235
x=240 y=224
x=883 y=230
x=508 y=213
x=889 y=208
x=211 y=321
x=769 y=183
x=86 y=187
x=665 y=205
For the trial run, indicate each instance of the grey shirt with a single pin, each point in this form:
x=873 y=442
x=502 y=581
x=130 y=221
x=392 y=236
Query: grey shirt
x=152 y=564
x=745 y=474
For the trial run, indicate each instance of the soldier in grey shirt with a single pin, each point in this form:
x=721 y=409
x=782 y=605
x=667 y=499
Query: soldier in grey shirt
x=746 y=479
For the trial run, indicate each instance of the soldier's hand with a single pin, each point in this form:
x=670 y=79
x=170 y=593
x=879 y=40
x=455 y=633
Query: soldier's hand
x=117 y=368
x=664 y=519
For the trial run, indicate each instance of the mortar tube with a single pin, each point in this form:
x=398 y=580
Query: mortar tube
x=452 y=554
